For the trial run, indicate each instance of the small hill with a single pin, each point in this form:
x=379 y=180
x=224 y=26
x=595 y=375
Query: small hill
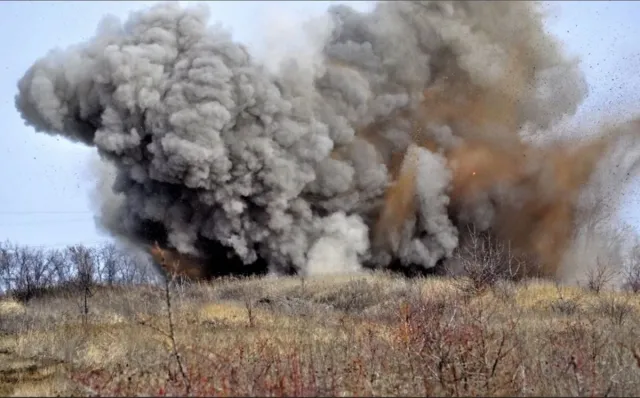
x=373 y=334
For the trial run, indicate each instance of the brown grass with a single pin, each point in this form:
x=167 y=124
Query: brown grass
x=359 y=335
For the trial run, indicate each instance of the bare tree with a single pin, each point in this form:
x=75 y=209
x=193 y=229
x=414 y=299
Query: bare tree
x=485 y=261
x=84 y=261
x=22 y=283
x=169 y=280
x=6 y=267
x=600 y=276
x=29 y=271
x=632 y=276
x=40 y=271
x=110 y=262
x=32 y=272
x=135 y=269
x=632 y=269
x=61 y=266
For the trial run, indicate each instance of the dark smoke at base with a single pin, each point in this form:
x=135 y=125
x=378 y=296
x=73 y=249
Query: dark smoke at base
x=214 y=260
x=372 y=149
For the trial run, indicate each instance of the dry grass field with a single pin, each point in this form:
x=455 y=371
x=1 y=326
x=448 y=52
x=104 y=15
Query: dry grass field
x=373 y=334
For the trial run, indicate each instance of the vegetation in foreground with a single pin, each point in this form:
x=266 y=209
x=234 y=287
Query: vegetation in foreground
x=368 y=335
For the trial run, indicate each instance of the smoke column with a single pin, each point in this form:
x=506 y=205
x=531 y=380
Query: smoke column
x=406 y=126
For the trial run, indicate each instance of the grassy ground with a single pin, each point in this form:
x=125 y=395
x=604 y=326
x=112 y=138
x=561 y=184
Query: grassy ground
x=358 y=335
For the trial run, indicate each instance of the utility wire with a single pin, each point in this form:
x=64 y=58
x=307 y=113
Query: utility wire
x=36 y=223
x=55 y=245
x=8 y=212
x=62 y=245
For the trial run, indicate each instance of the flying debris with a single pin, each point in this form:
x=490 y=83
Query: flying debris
x=405 y=127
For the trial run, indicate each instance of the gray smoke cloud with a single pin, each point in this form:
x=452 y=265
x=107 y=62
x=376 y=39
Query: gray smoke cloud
x=214 y=154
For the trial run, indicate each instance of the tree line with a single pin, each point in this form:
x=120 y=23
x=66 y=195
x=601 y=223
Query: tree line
x=27 y=271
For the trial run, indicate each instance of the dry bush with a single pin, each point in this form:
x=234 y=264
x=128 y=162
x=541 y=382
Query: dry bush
x=170 y=331
x=566 y=307
x=632 y=270
x=483 y=261
x=428 y=350
x=582 y=358
x=505 y=291
x=360 y=294
x=422 y=339
x=600 y=277
x=356 y=295
x=632 y=278
x=617 y=309
x=248 y=290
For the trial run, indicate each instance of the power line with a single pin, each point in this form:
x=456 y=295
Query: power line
x=45 y=212
x=89 y=243
x=63 y=245
x=45 y=222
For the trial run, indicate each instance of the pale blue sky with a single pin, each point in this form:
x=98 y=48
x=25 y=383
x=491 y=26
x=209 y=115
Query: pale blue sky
x=44 y=195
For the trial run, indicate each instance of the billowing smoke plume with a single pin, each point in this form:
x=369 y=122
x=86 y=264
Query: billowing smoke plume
x=403 y=128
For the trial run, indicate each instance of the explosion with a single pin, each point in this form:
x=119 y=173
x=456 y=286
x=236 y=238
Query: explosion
x=411 y=122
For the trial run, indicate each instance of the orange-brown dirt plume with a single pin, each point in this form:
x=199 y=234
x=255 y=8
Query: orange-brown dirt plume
x=536 y=211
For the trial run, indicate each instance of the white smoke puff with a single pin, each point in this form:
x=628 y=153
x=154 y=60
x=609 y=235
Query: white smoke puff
x=108 y=204
x=344 y=240
x=435 y=235
x=480 y=213
x=333 y=177
x=432 y=182
x=292 y=45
